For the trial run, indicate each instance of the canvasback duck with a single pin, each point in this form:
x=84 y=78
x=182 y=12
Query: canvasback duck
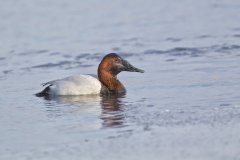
x=107 y=82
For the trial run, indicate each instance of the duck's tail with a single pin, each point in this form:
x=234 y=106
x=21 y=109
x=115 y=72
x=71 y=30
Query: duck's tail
x=44 y=93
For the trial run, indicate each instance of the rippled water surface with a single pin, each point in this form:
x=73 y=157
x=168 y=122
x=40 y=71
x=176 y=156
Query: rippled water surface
x=185 y=106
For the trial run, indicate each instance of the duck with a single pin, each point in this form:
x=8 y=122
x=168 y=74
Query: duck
x=105 y=83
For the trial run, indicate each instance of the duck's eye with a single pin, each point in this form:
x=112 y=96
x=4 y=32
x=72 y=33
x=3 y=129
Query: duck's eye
x=117 y=60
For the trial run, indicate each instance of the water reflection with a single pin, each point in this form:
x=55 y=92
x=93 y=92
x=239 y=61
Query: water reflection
x=112 y=111
x=89 y=100
x=109 y=108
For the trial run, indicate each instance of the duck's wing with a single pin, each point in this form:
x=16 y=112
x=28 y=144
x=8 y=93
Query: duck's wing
x=73 y=85
x=67 y=79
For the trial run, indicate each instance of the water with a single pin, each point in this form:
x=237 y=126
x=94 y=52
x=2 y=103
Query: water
x=186 y=105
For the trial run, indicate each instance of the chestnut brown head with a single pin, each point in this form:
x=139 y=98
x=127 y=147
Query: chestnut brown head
x=115 y=64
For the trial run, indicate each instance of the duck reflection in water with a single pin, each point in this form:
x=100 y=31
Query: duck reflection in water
x=111 y=113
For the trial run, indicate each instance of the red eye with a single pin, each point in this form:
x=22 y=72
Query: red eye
x=117 y=60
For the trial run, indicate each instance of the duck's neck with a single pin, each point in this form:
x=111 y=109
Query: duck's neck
x=110 y=83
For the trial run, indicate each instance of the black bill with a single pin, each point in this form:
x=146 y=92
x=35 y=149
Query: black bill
x=128 y=67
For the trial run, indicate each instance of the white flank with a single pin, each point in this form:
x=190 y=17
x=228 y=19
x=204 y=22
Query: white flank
x=76 y=85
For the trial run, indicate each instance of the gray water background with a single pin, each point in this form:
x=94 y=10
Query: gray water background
x=185 y=106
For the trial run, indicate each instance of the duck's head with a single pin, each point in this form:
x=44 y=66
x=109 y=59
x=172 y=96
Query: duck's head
x=115 y=64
